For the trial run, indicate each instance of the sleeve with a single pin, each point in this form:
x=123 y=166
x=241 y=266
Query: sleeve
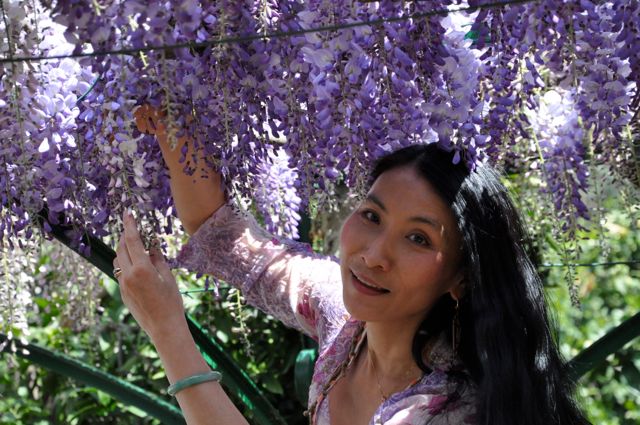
x=280 y=277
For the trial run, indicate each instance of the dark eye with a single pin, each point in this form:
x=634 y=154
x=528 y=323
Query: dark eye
x=419 y=239
x=370 y=216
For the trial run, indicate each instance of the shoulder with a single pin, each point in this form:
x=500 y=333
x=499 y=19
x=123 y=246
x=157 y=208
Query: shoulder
x=439 y=398
x=457 y=404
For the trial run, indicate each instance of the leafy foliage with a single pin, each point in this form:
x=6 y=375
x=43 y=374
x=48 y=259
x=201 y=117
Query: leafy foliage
x=112 y=341
x=610 y=295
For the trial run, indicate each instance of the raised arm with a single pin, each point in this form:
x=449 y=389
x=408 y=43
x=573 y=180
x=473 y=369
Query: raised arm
x=150 y=292
x=196 y=197
x=282 y=278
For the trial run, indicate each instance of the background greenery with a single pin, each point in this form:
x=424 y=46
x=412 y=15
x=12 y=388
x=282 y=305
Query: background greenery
x=104 y=334
x=610 y=393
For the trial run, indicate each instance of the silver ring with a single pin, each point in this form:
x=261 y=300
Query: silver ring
x=117 y=271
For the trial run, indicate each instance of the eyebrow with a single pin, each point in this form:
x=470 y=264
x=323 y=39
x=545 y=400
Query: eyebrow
x=420 y=219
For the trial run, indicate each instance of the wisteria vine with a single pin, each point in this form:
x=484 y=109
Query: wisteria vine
x=287 y=119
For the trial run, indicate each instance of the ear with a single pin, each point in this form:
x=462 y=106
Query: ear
x=458 y=289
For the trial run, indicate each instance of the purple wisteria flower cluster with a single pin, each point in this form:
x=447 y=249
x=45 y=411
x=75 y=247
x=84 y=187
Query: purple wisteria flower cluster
x=562 y=154
x=275 y=194
x=584 y=50
x=38 y=125
x=288 y=118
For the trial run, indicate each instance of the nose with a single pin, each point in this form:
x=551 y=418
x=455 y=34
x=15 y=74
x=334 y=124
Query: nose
x=376 y=255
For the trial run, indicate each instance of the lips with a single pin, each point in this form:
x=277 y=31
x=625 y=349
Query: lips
x=366 y=286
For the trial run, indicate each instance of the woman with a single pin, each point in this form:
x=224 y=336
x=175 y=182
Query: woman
x=434 y=314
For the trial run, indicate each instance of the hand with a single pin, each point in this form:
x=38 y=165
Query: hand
x=148 y=119
x=147 y=286
x=151 y=121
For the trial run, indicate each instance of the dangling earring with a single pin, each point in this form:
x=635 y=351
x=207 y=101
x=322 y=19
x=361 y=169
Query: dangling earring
x=455 y=329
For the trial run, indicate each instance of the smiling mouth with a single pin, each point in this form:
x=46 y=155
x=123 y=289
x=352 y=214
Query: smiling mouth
x=369 y=286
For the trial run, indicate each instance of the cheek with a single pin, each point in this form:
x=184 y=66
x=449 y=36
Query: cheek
x=423 y=272
x=348 y=234
x=434 y=277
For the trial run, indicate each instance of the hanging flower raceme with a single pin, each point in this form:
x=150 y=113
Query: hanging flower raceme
x=560 y=140
x=276 y=196
x=39 y=131
x=15 y=295
x=455 y=111
x=605 y=82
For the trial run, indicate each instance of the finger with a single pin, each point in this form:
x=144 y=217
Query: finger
x=122 y=256
x=134 y=244
x=158 y=261
x=160 y=131
x=141 y=115
x=155 y=120
x=117 y=271
x=124 y=295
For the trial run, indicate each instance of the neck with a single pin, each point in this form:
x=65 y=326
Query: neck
x=389 y=347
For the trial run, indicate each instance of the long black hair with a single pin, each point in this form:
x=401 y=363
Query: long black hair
x=506 y=342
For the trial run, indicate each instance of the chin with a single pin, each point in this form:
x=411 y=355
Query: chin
x=357 y=314
x=357 y=310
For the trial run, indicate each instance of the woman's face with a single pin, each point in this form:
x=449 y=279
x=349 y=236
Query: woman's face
x=399 y=250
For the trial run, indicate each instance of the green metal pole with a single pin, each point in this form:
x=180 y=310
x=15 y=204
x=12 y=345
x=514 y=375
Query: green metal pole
x=118 y=388
x=597 y=352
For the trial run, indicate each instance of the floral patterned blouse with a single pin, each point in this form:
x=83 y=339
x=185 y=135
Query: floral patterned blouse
x=303 y=289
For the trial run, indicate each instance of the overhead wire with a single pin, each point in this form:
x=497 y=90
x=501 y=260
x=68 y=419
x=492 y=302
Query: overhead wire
x=596 y=264
x=269 y=35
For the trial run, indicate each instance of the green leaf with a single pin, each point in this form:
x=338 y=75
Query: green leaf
x=271 y=384
x=632 y=374
x=158 y=375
